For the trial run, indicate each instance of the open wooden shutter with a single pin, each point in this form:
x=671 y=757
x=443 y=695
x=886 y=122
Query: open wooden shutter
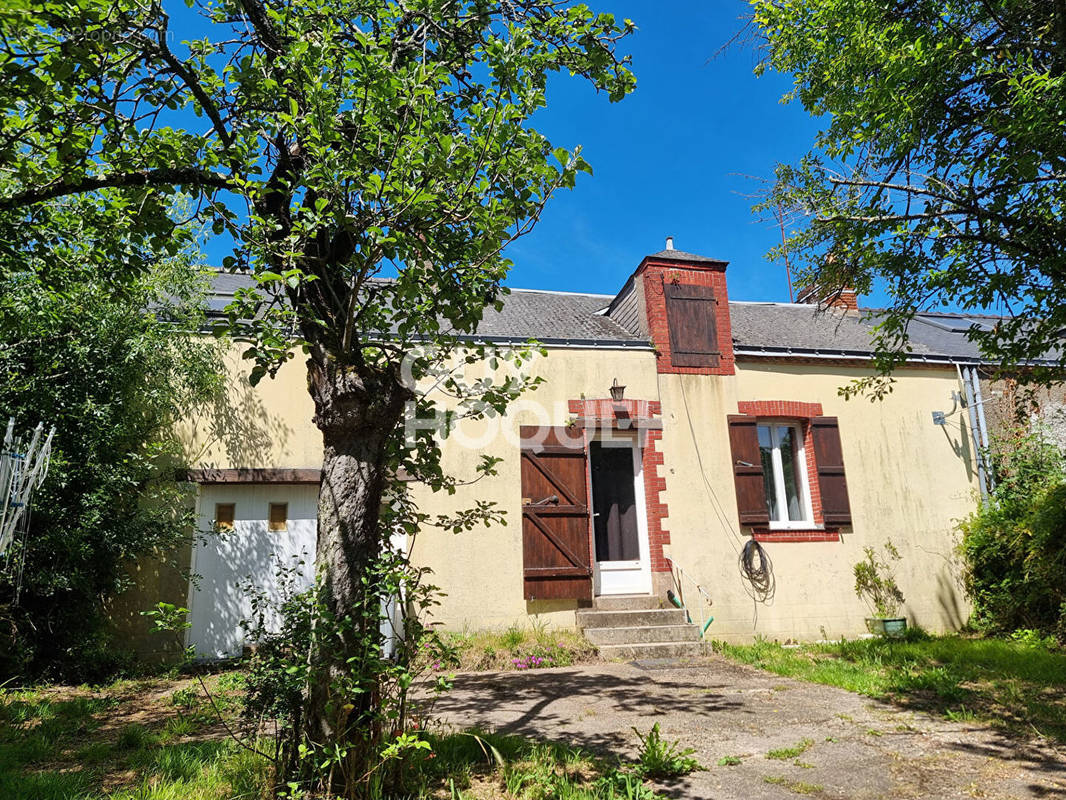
x=692 y=319
x=556 y=549
x=836 y=510
x=747 y=470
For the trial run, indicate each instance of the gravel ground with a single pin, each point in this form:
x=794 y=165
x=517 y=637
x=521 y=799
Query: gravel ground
x=861 y=748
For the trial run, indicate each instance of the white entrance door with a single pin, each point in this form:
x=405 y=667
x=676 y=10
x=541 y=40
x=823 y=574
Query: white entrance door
x=620 y=528
x=273 y=527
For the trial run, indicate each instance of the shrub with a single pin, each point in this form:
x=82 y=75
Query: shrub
x=78 y=351
x=1014 y=546
x=875 y=583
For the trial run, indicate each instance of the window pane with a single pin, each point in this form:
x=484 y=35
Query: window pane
x=787 y=436
x=224 y=516
x=279 y=517
x=766 y=448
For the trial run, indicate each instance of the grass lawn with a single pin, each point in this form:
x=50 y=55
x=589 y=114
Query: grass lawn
x=159 y=739
x=134 y=740
x=1020 y=687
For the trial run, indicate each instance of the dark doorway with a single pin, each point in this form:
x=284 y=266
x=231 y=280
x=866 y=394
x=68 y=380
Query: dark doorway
x=613 y=502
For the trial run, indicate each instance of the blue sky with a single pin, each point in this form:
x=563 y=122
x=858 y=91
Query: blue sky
x=673 y=158
x=677 y=157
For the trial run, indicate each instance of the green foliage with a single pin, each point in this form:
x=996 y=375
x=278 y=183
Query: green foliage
x=80 y=751
x=658 y=759
x=1014 y=546
x=185 y=699
x=1011 y=684
x=383 y=738
x=875 y=583
x=69 y=748
x=133 y=737
x=936 y=171
x=105 y=358
x=361 y=139
x=526 y=770
x=785 y=753
x=730 y=761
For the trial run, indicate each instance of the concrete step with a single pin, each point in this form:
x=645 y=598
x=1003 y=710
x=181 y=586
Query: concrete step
x=630 y=619
x=627 y=602
x=643 y=634
x=653 y=650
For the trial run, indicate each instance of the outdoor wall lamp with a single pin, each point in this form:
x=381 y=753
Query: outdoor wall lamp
x=617 y=390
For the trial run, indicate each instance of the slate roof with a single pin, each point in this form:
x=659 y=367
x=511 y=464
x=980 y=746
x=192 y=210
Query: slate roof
x=681 y=255
x=555 y=316
x=797 y=327
x=946 y=333
x=759 y=329
x=549 y=317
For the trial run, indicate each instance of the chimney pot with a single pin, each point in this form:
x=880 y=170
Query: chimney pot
x=669 y=242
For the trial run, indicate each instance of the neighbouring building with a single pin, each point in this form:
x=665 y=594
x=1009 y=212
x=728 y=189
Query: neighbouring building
x=730 y=428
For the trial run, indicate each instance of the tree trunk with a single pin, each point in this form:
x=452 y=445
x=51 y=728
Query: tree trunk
x=356 y=417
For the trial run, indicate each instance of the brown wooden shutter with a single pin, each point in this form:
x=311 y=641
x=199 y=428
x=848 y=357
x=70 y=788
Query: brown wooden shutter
x=556 y=549
x=691 y=316
x=747 y=470
x=829 y=458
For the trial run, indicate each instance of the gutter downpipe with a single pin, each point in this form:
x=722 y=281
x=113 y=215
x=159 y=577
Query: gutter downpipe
x=964 y=378
x=976 y=379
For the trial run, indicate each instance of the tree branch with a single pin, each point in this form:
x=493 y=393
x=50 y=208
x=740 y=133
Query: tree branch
x=164 y=176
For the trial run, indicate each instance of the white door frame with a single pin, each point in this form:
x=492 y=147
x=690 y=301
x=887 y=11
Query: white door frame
x=625 y=577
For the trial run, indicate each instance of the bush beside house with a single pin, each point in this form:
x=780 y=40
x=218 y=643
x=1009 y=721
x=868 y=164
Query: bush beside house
x=112 y=385
x=1015 y=545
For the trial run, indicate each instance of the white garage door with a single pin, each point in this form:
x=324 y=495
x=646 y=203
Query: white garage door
x=261 y=540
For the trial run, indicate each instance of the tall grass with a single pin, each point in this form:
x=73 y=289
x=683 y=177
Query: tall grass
x=56 y=749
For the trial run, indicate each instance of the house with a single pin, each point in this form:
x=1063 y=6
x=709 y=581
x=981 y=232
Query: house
x=729 y=429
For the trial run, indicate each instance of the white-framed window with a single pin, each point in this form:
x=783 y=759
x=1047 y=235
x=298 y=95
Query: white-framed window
x=784 y=469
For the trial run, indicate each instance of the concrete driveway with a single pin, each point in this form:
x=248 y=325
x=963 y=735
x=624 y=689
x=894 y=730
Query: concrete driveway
x=860 y=748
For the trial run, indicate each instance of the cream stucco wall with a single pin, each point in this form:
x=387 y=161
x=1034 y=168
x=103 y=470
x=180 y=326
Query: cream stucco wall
x=908 y=480
x=481 y=570
x=268 y=425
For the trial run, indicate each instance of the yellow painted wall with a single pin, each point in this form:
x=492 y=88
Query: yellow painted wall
x=908 y=481
x=268 y=425
x=481 y=571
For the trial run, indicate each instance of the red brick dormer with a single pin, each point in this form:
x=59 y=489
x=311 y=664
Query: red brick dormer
x=679 y=300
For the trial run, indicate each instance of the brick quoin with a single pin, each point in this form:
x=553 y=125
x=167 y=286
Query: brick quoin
x=621 y=414
x=802 y=413
x=658 y=271
x=796 y=536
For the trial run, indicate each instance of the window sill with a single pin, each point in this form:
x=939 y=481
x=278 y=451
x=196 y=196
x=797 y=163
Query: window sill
x=793 y=526
x=811 y=534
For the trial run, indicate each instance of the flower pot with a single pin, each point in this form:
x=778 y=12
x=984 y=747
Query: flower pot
x=892 y=627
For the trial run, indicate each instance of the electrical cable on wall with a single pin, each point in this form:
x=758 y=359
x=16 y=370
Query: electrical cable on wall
x=718 y=508
x=756 y=569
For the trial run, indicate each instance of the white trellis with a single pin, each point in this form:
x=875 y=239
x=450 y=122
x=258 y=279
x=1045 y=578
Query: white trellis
x=23 y=467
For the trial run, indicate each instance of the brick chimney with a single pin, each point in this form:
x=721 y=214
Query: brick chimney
x=846 y=299
x=679 y=300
